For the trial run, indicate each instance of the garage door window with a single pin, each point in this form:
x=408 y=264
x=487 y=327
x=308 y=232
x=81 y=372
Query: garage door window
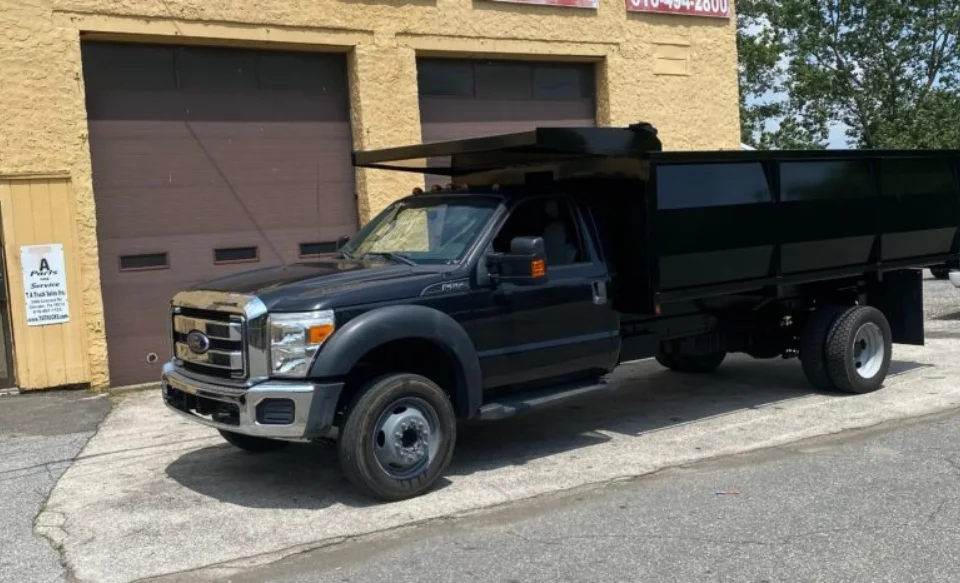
x=317 y=249
x=144 y=261
x=236 y=255
x=504 y=79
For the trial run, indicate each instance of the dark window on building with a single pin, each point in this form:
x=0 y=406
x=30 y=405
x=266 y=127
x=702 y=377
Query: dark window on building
x=135 y=68
x=302 y=72
x=702 y=185
x=314 y=249
x=563 y=82
x=214 y=69
x=236 y=255
x=144 y=261
x=825 y=180
x=912 y=176
x=441 y=77
x=503 y=80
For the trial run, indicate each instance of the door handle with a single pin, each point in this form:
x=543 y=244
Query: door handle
x=599 y=292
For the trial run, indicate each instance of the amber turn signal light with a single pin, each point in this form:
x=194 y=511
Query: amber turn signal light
x=538 y=268
x=317 y=334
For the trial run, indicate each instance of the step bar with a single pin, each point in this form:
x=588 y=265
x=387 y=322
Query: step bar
x=521 y=403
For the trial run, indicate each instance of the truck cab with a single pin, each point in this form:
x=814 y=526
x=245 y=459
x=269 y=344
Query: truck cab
x=473 y=291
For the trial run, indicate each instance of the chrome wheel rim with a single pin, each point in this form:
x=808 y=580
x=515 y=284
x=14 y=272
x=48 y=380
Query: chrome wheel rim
x=868 y=350
x=407 y=437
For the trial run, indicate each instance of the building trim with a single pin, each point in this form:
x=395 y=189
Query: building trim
x=221 y=33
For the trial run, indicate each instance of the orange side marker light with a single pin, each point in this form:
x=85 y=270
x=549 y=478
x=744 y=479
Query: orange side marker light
x=538 y=268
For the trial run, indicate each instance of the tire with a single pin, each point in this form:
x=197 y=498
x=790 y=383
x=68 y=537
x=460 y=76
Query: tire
x=667 y=359
x=253 y=444
x=405 y=405
x=813 y=346
x=691 y=363
x=940 y=272
x=859 y=349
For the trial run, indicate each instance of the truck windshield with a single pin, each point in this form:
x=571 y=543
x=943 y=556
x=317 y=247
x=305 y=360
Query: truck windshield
x=435 y=231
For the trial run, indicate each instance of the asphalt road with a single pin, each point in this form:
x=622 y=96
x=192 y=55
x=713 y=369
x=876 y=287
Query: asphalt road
x=40 y=434
x=878 y=505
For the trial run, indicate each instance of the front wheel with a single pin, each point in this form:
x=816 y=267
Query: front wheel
x=398 y=437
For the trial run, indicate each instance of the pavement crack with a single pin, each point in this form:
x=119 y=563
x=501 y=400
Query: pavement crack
x=933 y=515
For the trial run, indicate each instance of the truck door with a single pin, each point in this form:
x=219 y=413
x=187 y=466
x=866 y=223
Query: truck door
x=559 y=328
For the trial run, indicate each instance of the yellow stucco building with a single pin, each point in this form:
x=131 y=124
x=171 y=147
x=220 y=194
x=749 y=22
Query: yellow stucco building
x=148 y=144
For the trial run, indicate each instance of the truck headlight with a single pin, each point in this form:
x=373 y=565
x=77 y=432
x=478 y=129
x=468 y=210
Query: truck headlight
x=295 y=339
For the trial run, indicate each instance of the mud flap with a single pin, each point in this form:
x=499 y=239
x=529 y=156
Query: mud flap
x=899 y=295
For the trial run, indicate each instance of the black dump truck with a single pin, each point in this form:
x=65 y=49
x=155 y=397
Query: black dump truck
x=550 y=258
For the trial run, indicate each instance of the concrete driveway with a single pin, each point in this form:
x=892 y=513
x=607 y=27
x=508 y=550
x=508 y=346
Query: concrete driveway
x=153 y=495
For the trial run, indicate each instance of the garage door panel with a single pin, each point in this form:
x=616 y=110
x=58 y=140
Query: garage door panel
x=132 y=165
x=139 y=106
x=183 y=164
x=271 y=208
x=128 y=358
x=251 y=108
x=182 y=140
x=462 y=99
x=440 y=131
x=130 y=214
x=506 y=110
x=179 y=128
x=245 y=161
x=194 y=254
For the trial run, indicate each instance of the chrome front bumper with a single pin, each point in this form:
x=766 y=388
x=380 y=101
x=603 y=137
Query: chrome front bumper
x=280 y=409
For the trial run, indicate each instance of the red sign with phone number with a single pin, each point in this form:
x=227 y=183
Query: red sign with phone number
x=564 y=3
x=709 y=8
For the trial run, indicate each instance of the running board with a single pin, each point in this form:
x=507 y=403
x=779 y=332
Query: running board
x=510 y=406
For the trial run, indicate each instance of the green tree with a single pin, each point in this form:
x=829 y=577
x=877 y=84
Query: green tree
x=888 y=70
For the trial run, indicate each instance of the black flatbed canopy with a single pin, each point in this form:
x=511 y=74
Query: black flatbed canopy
x=549 y=145
x=544 y=145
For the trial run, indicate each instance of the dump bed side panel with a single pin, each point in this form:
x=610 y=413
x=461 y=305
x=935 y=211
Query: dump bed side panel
x=714 y=224
x=827 y=215
x=919 y=207
x=754 y=222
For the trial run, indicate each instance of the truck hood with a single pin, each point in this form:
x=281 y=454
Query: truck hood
x=325 y=284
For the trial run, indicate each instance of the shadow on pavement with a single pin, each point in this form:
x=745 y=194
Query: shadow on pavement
x=308 y=476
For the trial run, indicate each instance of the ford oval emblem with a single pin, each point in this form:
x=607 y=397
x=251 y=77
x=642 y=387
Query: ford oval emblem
x=198 y=342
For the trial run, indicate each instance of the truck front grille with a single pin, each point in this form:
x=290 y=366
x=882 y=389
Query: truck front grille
x=210 y=343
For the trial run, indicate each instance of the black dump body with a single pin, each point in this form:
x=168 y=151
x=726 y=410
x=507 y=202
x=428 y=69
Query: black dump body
x=687 y=225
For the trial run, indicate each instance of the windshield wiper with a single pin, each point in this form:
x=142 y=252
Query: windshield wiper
x=392 y=256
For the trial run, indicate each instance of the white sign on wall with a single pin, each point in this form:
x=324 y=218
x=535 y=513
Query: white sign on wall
x=45 y=284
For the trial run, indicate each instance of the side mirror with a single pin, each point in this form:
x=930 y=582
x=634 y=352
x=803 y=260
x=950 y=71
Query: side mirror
x=342 y=240
x=525 y=264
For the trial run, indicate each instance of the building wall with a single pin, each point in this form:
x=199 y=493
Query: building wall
x=677 y=72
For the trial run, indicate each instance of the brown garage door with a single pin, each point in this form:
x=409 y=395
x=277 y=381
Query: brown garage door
x=462 y=98
x=208 y=161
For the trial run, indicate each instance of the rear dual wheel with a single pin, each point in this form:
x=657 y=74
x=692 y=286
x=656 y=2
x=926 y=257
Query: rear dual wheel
x=846 y=349
x=940 y=272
